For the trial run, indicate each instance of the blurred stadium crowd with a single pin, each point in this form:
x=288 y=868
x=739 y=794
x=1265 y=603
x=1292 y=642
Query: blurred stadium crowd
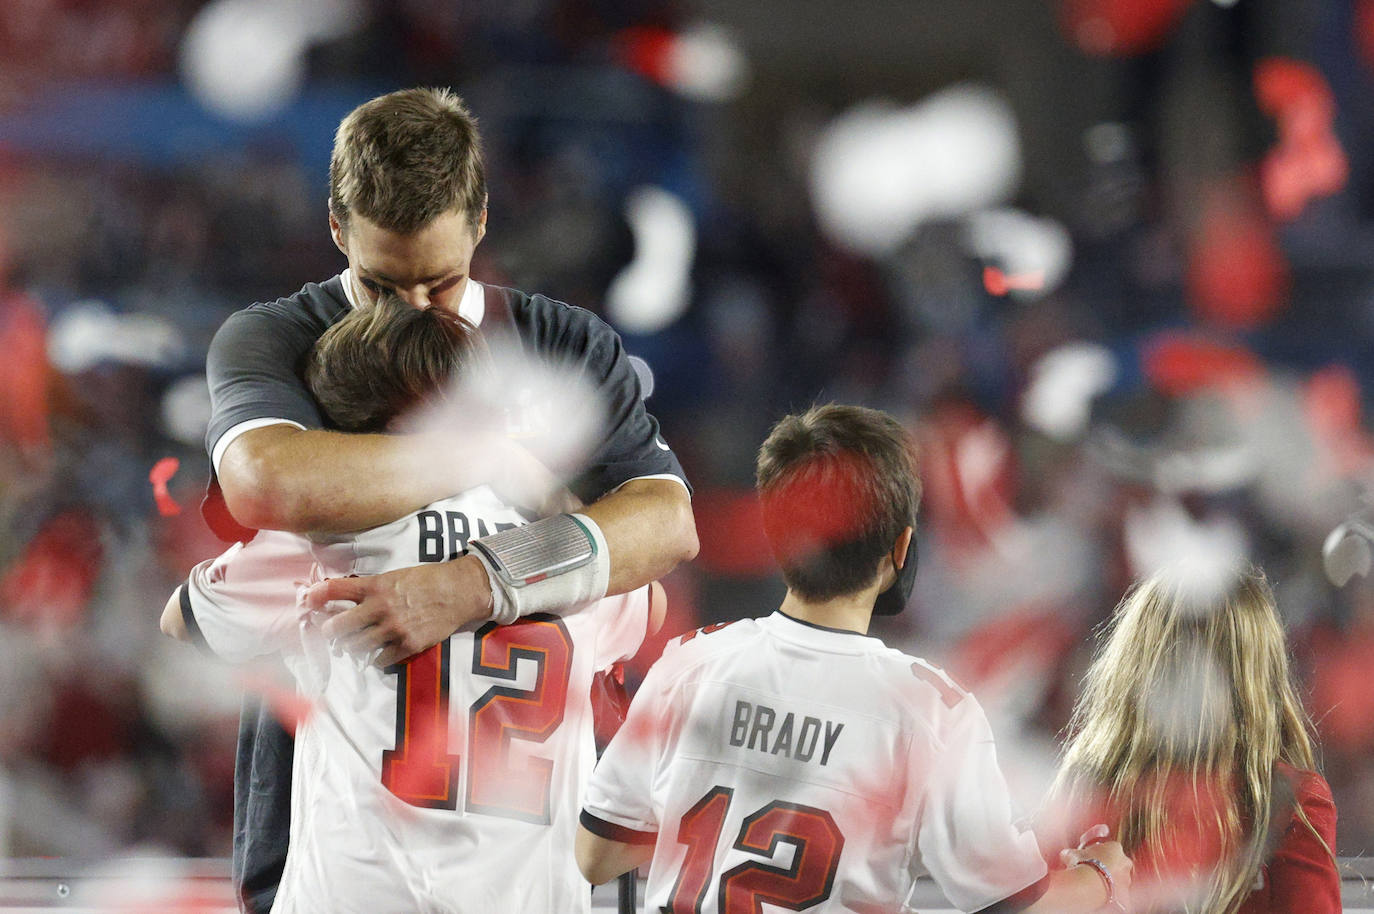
x=1112 y=260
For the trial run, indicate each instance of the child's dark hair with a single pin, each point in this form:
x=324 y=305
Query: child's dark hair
x=382 y=360
x=837 y=486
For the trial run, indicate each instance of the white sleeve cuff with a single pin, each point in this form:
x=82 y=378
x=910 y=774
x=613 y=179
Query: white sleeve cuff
x=217 y=453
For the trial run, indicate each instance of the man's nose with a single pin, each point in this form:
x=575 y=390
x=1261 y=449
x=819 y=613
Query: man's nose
x=417 y=297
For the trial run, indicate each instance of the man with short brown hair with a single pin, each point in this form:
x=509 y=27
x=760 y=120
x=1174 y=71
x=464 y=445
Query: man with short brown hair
x=397 y=767
x=430 y=156
x=408 y=208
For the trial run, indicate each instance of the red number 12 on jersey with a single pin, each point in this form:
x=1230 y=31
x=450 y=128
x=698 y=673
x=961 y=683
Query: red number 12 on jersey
x=420 y=769
x=744 y=888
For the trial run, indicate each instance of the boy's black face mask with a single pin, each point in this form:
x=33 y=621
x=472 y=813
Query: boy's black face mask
x=894 y=599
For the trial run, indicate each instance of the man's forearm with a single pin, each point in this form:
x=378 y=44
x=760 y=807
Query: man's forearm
x=284 y=478
x=649 y=529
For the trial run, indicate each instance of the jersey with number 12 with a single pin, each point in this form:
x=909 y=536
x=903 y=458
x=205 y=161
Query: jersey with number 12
x=779 y=766
x=448 y=783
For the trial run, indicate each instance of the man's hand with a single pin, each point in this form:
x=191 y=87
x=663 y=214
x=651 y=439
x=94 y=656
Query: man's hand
x=401 y=613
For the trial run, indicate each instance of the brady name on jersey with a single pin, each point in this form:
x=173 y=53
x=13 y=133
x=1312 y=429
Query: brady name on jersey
x=753 y=725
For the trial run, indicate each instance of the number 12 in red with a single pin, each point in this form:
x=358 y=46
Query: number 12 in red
x=421 y=771
x=743 y=889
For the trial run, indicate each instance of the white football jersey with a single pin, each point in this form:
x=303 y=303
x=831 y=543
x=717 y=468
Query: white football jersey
x=785 y=766
x=449 y=783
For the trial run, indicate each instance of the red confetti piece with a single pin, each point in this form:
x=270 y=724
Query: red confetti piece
x=647 y=50
x=1183 y=363
x=1120 y=27
x=1308 y=161
x=286 y=704
x=23 y=374
x=159 y=476
x=999 y=283
x=1237 y=273
x=52 y=581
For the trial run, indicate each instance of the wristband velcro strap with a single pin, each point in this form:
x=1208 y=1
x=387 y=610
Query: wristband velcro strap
x=551 y=565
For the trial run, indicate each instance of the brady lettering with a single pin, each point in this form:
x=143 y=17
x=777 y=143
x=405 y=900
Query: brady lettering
x=740 y=727
x=830 y=737
x=763 y=722
x=758 y=727
x=444 y=535
x=431 y=536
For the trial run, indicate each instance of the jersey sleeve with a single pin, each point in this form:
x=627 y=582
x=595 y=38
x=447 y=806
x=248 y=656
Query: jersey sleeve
x=619 y=801
x=252 y=368
x=242 y=604
x=968 y=837
x=622 y=624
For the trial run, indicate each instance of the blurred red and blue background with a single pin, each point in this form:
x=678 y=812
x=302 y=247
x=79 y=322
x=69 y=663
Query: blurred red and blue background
x=1112 y=261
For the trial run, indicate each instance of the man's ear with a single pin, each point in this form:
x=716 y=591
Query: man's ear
x=901 y=548
x=336 y=231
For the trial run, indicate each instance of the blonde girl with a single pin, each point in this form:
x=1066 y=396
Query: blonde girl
x=1189 y=739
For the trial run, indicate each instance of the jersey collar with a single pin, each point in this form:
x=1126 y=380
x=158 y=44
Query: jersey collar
x=472 y=308
x=819 y=636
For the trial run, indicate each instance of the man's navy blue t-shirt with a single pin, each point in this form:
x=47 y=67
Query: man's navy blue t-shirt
x=253 y=371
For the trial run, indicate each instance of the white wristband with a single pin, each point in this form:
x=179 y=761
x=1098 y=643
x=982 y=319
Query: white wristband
x=551 y=565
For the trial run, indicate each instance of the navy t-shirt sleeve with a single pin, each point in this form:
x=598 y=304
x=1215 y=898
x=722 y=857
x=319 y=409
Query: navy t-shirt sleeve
x=251 y=372
x=254 y=358
x=632 y=445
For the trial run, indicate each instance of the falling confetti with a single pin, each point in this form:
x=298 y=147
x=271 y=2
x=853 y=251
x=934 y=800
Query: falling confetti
x=999 y=283
x=159 y=476
x=286 y=704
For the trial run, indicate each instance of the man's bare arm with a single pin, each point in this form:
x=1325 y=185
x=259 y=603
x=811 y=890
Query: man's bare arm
x=284 y=478
x=648 y=527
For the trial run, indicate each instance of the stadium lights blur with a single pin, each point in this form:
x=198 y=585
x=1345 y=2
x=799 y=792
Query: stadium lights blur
x=89 y=333
x=550 y=411
x=1200 y=555
x=1063 y=383
x=703 y=62
x=1023 y=245
x=708 y=64
x=185 y=410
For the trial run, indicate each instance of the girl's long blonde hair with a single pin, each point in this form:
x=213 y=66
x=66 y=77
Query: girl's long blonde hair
x=1193 y=689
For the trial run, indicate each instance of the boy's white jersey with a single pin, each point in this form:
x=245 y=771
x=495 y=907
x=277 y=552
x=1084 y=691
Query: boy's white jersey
x=449 y=783
x=785 y=766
